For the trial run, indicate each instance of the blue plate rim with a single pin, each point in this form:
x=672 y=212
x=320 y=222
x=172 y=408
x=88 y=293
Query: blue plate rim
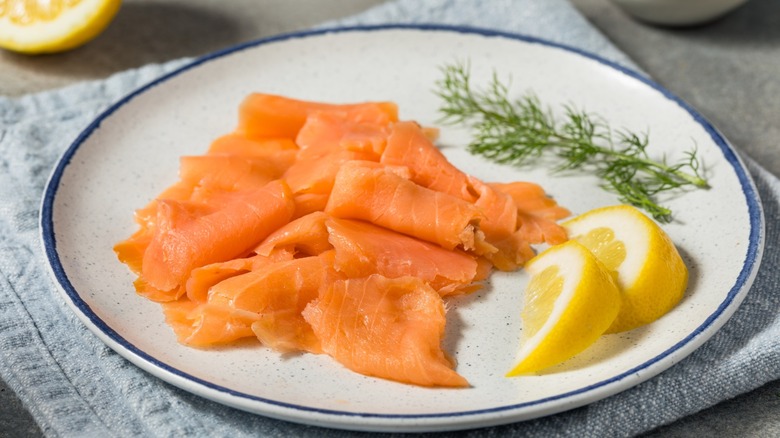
x=713 y=322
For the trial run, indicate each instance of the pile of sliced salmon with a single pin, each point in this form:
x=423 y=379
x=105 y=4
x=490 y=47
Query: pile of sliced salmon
x=334 y=229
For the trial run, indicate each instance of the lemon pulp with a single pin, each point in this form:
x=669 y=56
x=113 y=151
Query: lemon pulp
x=49 y=26
x=570 y=300
x=647 y=266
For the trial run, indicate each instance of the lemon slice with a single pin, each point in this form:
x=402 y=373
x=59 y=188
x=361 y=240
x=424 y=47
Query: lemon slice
x=650 y=272
x=49 y=26
x=570 y=301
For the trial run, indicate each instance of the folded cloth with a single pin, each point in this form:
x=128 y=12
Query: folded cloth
x=74 y=385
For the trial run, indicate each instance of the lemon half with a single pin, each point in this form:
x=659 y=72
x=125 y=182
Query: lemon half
x=49 y=26
x=649 y=270
x=570 y=300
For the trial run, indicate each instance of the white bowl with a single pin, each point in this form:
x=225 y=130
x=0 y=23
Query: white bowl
x=678 y=12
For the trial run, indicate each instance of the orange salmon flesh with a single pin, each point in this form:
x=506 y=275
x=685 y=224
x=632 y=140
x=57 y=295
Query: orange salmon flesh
x=331 y=229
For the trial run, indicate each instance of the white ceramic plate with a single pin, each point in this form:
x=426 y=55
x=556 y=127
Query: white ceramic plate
x=130 y=153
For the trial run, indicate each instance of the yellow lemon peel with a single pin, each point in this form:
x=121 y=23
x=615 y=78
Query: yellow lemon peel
x=648 y=268
x=571 y=299
x=51 y=26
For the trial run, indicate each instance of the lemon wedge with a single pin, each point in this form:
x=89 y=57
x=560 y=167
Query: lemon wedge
x=49 y=26
x=570 y=300
x=649 y=271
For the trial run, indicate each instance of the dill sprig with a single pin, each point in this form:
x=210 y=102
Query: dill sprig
x=521 y=130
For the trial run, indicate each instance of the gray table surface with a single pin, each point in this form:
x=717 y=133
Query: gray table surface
x=728 y=69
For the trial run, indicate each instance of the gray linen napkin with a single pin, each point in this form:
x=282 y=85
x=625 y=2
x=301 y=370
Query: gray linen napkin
x=76 y=386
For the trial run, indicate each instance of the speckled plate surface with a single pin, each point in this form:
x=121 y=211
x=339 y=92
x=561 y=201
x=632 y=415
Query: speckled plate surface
x=130 y=153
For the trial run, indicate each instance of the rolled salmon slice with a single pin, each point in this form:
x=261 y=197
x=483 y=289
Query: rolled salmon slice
x=499 y=209
x=408 y=145
x=263 y=116
x=380 y=196
x=133 y=250
x=183 y=243
x=387 y=328
x=362 y=249
x=203 y=185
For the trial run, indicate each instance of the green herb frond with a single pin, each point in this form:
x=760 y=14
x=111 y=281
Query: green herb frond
x=521 y=130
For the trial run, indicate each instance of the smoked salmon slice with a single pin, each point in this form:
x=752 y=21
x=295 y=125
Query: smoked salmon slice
x=263 y=116
x=183 y=243
x=307 y=203
x=500 y=227
x=512 y=252
x=499 y=209
x=203 y=278
x=409 y=146
x=362 y=249
x=202 y=179
x=388 y=328
x=211 y=177
x=382 y=197
x=277 y=293
x=537 y=212
x=131 y=250
x=317 y=175
x=144 y=289
x=206 y=325
x=331 y=131
x=306 y=235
